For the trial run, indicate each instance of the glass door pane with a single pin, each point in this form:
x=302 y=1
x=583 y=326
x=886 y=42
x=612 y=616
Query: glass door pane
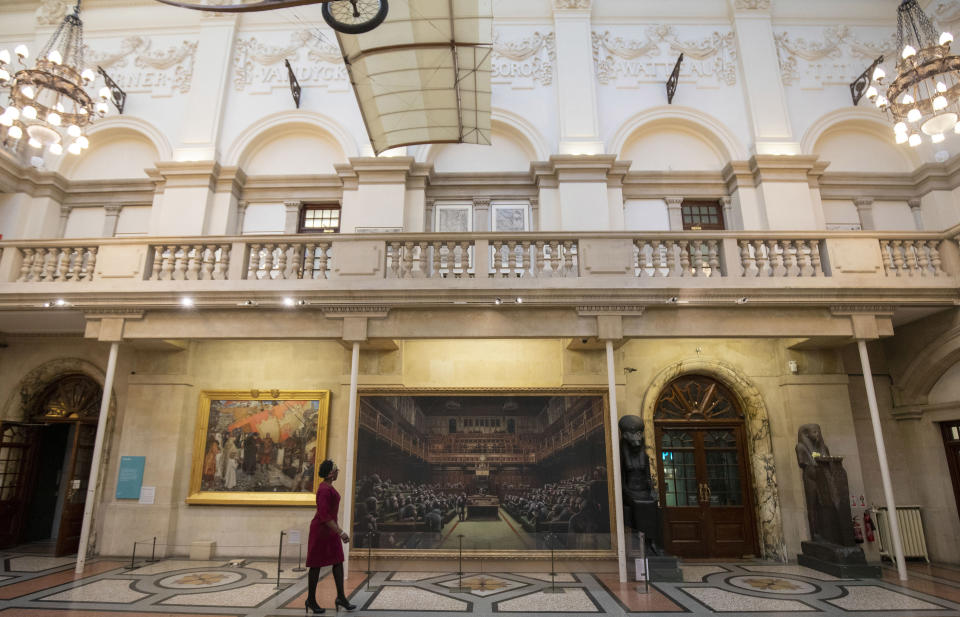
x=723 y=468
x=679 y=469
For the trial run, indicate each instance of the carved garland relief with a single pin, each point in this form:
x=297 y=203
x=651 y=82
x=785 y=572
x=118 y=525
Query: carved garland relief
x=708 y=61
x=316 y=62
x=138 y=67
x=524 y=62
x=752 y=5
x=838 y=58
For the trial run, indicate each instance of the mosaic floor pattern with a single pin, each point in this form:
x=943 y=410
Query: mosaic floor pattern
x=38 y=586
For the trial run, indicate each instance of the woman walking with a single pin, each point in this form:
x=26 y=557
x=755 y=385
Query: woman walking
x=324 y=547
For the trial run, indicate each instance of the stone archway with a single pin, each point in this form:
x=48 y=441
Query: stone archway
x=759 y=444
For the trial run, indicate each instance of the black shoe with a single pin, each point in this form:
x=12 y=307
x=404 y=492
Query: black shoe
x=313 y=607
x=344 y=603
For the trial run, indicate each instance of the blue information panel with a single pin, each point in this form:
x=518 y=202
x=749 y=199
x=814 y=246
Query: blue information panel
x=130 y=477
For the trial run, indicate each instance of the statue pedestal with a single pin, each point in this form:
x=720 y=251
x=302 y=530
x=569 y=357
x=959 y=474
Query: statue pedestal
x=644 y=516
x=836 y=560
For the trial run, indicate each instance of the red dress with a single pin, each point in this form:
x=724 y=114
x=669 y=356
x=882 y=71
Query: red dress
x=324 y=547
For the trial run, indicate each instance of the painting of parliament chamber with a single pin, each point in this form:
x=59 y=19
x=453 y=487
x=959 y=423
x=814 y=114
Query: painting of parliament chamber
x=490 y=472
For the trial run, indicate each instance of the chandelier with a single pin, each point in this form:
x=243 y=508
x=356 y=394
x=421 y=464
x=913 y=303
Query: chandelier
x=923 y=98
x=49 y=106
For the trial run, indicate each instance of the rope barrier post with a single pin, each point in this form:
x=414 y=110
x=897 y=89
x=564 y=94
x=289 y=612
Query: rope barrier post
x=279 y=557
x=133 y=556
x=551 y=541
x=299 y=568
x=153 y=551
x=460 y=588
x=369 y=551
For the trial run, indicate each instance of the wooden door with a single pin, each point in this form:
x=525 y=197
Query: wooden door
x=707 y=512
x=81 y=455
x=18 y=444
x=951 y=443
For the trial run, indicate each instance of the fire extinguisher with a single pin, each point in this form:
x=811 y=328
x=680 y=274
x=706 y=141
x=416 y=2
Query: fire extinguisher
x=857 y=531
x=868 y=525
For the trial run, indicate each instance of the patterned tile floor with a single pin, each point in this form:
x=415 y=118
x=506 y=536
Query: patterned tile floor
x=40 y=586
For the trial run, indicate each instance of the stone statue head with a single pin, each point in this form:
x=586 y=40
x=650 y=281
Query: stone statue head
x=631 y=432
x=810 y=444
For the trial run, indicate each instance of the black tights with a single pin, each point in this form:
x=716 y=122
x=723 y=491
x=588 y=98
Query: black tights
x=313 y=577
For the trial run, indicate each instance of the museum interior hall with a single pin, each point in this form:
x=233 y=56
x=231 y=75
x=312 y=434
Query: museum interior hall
x=597 y=306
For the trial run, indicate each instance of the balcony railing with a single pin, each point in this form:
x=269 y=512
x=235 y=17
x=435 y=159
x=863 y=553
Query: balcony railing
x=668 y=260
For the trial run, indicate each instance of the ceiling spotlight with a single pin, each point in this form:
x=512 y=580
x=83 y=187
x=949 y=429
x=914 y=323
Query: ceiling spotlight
x=673 y=300
x=186 y=302
x=519 y=300
x=60 y=302
x=743 y=300
x=498 y=301
x=289 y=302
x=247 y=303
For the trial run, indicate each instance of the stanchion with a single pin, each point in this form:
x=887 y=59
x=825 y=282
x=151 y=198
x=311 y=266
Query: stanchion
x=460 y=588
x=551 y=539
x=153 y=551
x=279 y=557
x=641 y=566
x=299 y=568
x=370 y=535
x=133 y=557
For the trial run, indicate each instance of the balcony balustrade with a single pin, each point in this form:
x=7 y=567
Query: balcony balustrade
x=668 y=260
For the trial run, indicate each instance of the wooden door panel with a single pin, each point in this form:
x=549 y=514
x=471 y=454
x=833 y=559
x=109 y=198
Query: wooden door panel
x=71 y=521
x=17 y=461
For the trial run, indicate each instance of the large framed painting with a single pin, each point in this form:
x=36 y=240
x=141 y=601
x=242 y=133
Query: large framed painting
x=258 y=447
x=491 y=473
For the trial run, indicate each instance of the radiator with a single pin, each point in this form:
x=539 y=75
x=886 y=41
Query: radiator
x=911 y=532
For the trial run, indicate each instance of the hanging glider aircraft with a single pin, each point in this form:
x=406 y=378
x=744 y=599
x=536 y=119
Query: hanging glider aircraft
x=420 y=69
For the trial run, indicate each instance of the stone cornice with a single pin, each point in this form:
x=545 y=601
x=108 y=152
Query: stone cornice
x=577 y=168
x=656 y=184
x=376 y=170
x=231 y=179
x=774 y=168
x=89 y=193
x=168 y=174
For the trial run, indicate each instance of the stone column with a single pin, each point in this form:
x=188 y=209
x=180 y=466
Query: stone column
x=111 y=213
x=728 y=222
x=576 y=82
x=64 y=216
x=96 y=462
x=183 y=205
x=917 y=213
x=375 y=193
x=765 y=96
x=865 y=212
x=291 y=219
x=534 y=214
x=428 y=215
x=675 y=212
x=481 y=215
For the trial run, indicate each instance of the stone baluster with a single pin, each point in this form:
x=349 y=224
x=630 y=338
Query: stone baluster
x=253 y=264
x=270 y=259
x=885 y=253
x=684 y=258
x=713 y=256
x=805 y=257
x=179 y=267
x=815 y=258
x=423 y=260
x=748 y=263
x=407 y=269
x=194 y=258
x=553 y=259
x=497 y=257
x=166 y=267
x=222 y=265
x=762 y=253
x=437 y=263
x=295 y=265
x=157 y=262
x=60 y=264
x=309 y=255
x=36 y=272
x=778 y=252
x=898 y=262
x=791 y=251
x=935 y=258
x=76 y=267
x=524 y=259
x=511 y=258
x=282 y=260
x=91 y=263
x=671 y=256
x=27 y=256
x=922 y=257
x=568 y=269
x=49 y=264
x=538 y=262
x=393 y=253
x=323 y=264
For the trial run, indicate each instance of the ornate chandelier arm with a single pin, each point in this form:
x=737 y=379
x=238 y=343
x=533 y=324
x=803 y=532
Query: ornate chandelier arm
x=263 y=5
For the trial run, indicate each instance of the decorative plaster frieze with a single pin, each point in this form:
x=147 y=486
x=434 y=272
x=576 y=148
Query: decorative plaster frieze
x=752 y=5
x=836 y=59
x=602 y=309
x=354 y=309
x=525 y=62
x=51 y=12
x=946 y=15
x=711 y=60
x=259 y=68
x=139 y=68
x=571 y=4
x=859 y=309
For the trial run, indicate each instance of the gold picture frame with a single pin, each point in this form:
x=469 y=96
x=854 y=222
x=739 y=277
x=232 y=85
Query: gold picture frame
x=258 y=447
x=539 y=553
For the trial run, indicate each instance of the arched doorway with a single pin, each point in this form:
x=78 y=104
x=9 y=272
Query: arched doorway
x=702 y=467
x=45 y=464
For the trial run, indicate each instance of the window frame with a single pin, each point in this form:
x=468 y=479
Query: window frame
x=313 y=207
x=711 y=203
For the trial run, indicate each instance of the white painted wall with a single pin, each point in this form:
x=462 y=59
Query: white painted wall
x=646 y=215
x=84 y=223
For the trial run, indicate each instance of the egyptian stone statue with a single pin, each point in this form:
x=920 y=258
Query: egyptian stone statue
x=825 y=489
x=639 y=500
